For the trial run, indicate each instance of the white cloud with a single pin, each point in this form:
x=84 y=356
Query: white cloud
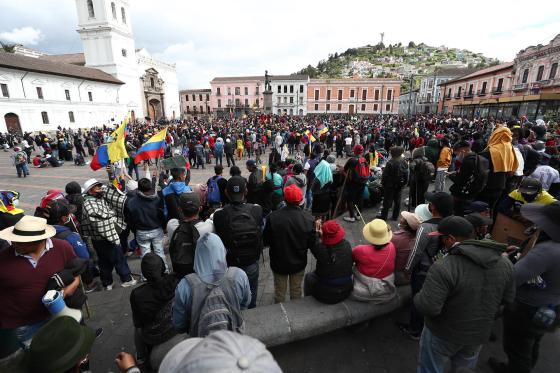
x=25 y=35
x=222 y=37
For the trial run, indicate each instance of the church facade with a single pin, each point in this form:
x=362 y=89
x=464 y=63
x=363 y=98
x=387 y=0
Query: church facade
x=40 y=92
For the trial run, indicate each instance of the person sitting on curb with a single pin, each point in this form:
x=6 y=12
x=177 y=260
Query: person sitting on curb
x=374 y=278
x=403 y=239
x=331 y=282
x=529 y=191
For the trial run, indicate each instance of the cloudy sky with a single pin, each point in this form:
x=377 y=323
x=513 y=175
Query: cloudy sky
x=223 y=38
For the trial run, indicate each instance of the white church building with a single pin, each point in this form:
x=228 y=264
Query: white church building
x=40 y=92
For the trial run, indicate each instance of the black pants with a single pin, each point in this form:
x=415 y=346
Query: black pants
x=230 y=160
x=521 y=338
x=391 y=196
x=111 y=257
x=417 y=193
x=416 y=283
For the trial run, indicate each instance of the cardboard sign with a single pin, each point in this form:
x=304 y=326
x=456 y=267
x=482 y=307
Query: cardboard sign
x=509 y=231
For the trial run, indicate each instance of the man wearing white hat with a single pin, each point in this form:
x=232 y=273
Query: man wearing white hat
x=25 y=267
x=99 y=222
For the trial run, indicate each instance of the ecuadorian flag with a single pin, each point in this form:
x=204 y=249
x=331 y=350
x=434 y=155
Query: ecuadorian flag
x=100 y=159
x=153 y=148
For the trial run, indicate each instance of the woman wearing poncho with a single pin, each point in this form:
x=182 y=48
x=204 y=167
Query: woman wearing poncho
x=321 y=189
x=502 y=163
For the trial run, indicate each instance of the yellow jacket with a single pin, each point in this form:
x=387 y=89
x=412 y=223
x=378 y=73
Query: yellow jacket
x=444 y=160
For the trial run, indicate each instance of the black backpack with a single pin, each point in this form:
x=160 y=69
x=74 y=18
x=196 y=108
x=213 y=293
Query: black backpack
x=478 y=180
x=182 y=247
x=245 y=234
x=424 y=170
x=400 y=174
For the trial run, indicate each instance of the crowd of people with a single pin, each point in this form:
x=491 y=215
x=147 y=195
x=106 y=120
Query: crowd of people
x=201 y=244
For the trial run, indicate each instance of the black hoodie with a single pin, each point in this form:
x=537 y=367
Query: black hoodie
x=151 y=302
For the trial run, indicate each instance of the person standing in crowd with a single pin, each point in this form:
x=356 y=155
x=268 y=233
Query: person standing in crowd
x=394 y=179
x=239 y=225
x=219 y=150
x=99 y=223
x=461 y=297
x=470 y=179
x=75 y=198
x=501 y=161
x=442 y=165
x=331 y=282
x=425 y=250
x=210 y=272
x=216 y=188
x=26 y=266
x=151 y=306
x=298 y=178
x=20 y=162
x=172 y=192
x=289 y=232
x=321 y=190
x=229 y=150
x=536 y=309
x=421 y=173
x=254 y=182
x=200 y=155
x=374 y=278
x=357 y=174
x=144 y=213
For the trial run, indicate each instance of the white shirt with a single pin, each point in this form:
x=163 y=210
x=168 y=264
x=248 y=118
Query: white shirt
x=546 y=175
x=348 y=141
x=520 y=162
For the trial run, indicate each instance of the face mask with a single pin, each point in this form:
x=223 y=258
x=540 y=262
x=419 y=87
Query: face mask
x=15 y=203
x=99 y=194
x=529 y=197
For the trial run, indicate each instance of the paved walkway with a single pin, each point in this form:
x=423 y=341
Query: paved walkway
x=377 y=348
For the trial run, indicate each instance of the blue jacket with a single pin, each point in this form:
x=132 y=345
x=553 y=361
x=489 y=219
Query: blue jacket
x=74 y=239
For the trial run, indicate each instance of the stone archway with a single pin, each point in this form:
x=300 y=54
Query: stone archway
x=12 y=123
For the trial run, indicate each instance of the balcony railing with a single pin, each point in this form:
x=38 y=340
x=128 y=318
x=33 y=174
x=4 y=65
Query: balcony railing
x=468 y=95
x=447 y=97
x=481 y=92
x=457 y=95
x=218 y=94
x=520 y=87
x=497 y=91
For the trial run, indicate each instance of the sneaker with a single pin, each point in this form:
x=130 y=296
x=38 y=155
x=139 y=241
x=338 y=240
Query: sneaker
x=94 y=286
x=129 y=283
x=349 y=219
x=109 y=287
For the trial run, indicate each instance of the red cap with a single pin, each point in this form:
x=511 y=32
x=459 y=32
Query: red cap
x=358 y=149
x=293 y=195
x=333 y=233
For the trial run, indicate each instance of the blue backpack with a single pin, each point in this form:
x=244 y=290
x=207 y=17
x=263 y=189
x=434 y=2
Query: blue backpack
x=214 y=190
x=219 y=147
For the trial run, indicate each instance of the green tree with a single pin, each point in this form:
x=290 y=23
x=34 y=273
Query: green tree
x=411 y=44
x=8 y=48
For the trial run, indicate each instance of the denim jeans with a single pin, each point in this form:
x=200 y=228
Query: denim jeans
x=252 y=272
x=25 y=333
x=151 y=239
x=219 y=157
x=439 y=184
x=22 y=170
x=133 y=167
x=436 y=352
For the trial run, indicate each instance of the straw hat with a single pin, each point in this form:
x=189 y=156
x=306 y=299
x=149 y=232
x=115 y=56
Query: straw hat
x=28 y=229
x=377 y=232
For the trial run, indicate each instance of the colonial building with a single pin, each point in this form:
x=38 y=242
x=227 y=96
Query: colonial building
x=353 y=96
x=428 y=95
x=289 y=94
x=108 y=80
x=195 y=102
x=529 y=86
x=408 y=103
x=478 y=94
x=236 y=96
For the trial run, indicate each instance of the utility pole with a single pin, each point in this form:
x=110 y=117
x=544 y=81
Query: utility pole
x=410 y=94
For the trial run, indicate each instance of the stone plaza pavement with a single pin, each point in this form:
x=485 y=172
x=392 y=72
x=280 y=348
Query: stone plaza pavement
x=379 y=347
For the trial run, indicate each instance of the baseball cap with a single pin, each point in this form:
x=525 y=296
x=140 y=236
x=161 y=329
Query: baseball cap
x=530 y=186
x=442 y=201
x=236 y=187
x=455 y=226
x=221 y=351
x=189 y=202
x=251 y=163
x=478 y=220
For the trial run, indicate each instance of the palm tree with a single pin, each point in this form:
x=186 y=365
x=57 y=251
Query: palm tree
x=8 y=48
